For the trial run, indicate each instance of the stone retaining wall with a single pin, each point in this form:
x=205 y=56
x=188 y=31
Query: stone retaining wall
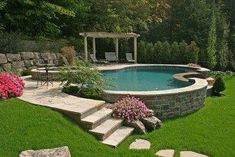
x=26 y=60
x=169 y=105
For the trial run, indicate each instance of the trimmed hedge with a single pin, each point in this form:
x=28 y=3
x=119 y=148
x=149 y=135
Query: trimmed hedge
x=165 y=52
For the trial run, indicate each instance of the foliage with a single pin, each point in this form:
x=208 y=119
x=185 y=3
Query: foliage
x=211 y=48
x=25 y=72
x=83 y=75
x=35 y=17
x=10 y=86
x=129 y=109
x=219 y=85
x=69 y=53
x=91 y=93
x=8 y=42
x=164 y=52
x=154 y=20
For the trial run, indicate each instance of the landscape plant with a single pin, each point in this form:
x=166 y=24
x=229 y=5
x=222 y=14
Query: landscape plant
x=129 y=108
x=219 y=85
x=84 y=76
x=10 y=86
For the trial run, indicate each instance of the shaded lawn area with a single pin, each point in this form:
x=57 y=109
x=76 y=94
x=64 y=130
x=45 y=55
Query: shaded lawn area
x=211 y=131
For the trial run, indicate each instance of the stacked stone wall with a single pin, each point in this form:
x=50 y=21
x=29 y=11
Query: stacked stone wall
x=27 y=60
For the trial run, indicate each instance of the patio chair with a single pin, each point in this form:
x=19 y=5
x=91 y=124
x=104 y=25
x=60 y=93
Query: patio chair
x=94 y=60
x=129 y=58
x=111 y=57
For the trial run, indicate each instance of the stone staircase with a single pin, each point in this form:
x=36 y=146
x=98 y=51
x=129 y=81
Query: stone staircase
x=90 y=114
x=99 y=122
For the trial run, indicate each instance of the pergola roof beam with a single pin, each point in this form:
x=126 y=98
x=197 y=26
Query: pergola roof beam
x=109 y=35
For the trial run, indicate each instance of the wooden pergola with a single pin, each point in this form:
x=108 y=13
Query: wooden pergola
x=115 y=36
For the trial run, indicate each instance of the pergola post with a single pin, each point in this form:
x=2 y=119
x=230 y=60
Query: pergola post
x=94 y=48
x=116 y=47
x=85 y=48
x=135 y=49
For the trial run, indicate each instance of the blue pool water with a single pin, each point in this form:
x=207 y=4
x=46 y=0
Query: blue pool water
x=143 y=79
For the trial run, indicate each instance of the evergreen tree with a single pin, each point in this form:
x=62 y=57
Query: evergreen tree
x=223 y=49
x=211 y=48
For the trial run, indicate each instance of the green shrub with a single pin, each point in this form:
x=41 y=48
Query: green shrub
x=192 y=53
x=90 y=93
x=25 y=72
x=164 y=52
x=83 y=75
x=218 y=86
x=175 y=52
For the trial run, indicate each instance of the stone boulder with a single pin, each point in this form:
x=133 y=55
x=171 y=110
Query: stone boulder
x=6 y=66
x=13 y=57
x=18 y=65
x=55 y=152
x=3 y=58
x=28 y=63
x=52 y=56
x=36 y=55
x=138 y=125
x=152 y=123
x=27 y=55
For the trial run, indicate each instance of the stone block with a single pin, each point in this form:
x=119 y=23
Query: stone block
x=45 y=56
x=55 y=152
x=138 y=125
x=18 y=65
x=6 y=66
x=13 y=57
x=36 y=55
x=152 y=123
x=52 y=56
x=28 y=63
x=3 y=58
x=27 y=55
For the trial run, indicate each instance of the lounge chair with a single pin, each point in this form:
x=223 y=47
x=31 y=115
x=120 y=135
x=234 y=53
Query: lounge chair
x=129 y=58
x=111 y=57
x=94 y=60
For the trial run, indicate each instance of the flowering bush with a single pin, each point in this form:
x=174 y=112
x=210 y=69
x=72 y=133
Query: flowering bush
x=10 y=86
x=129 y=108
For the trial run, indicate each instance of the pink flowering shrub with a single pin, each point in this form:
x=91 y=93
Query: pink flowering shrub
x=10 y=86
x=129 y=108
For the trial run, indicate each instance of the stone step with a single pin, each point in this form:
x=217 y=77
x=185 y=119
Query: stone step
x=118 y=136
x=95 y=119
x=82 y=110
x=106 y=128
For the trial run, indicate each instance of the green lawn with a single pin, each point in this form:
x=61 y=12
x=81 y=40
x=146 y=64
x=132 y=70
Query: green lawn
x=210 y=130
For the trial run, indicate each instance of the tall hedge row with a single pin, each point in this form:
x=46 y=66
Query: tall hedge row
x=165 y=52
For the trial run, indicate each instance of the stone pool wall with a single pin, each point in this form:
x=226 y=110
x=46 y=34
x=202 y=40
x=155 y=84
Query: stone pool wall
x=25 y=60
x=169 y=105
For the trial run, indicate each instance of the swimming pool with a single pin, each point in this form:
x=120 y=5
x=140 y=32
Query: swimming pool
x=170 y=90
x=144 y=79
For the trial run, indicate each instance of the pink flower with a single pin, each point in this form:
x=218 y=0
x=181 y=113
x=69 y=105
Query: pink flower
x=129 y=108
x=10 y=86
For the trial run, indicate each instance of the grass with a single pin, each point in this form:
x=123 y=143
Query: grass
x=211 y=131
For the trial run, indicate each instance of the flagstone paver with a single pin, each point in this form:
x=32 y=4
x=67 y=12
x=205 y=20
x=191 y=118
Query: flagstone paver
x=139 y=144
x=191 y=154
x=165 y=153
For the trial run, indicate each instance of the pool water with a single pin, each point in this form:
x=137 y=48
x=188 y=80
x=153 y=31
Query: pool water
x=143 y=79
